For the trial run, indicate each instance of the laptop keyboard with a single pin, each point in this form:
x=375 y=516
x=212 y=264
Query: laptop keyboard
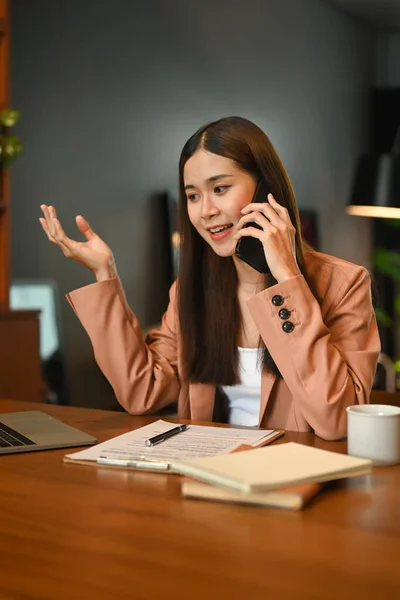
x=10 y=437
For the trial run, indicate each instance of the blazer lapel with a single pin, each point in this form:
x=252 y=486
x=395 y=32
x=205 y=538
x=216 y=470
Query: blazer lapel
x=201 y=398
x=267 y=382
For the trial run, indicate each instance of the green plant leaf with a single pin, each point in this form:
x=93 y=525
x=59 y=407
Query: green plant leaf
x=395 y=223
x=383 y=318
x=387 y=262
x=9 y=117
x=397 y=304
x=10 y=149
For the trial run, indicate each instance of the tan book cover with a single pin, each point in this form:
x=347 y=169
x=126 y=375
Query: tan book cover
x=293 y=498
x=272 y=467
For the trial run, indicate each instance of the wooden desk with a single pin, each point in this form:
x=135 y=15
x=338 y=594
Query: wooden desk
x=74 y=532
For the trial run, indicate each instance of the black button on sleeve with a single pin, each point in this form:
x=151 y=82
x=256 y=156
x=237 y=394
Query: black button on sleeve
x=288 y=326
x=284 y=313
x=277 y=300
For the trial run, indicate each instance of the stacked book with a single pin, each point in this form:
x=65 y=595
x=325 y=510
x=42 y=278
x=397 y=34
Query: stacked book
x=284 y=475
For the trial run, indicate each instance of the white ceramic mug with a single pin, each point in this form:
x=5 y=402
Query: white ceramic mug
x=373 y=431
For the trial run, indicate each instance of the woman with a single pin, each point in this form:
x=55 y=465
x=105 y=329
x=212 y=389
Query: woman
x=291 y=349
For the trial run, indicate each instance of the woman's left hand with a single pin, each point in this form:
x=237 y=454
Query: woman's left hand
x=277 y=236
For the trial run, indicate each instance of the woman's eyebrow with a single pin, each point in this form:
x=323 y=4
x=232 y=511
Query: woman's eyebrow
x=209 y=180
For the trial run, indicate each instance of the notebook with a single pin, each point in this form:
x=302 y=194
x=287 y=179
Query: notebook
x=31 y=430
x=294 y=498
x=272 y=467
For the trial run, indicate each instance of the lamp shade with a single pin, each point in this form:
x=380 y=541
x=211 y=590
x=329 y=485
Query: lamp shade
x=376 y=189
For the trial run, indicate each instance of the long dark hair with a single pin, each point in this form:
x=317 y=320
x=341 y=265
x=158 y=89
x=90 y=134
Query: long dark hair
x=209 y=314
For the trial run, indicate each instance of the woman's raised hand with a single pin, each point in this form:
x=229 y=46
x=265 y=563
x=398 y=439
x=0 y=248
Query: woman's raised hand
x=277 y=235
x=93 y=253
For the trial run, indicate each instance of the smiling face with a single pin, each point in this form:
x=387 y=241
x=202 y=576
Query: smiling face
x=216 y=190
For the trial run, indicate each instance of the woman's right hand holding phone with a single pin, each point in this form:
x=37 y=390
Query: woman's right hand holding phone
x=93 y=253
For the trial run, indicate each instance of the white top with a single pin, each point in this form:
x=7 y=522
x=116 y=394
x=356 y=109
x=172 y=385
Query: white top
x=244 y=398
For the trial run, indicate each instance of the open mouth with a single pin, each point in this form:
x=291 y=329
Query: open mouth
x=220 y=229
x=220 y=232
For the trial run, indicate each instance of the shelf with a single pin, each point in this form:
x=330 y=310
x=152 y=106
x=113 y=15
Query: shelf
x=17 y=315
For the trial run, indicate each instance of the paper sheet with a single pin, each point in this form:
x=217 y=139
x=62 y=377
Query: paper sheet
x=196 y=441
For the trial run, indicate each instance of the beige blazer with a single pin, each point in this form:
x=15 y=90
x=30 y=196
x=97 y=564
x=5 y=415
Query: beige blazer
x=327 y=361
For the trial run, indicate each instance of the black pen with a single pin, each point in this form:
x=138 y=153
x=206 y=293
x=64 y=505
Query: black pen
x=164 y=436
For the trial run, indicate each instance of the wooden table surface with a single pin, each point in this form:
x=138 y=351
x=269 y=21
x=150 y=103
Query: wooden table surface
x=75 y=532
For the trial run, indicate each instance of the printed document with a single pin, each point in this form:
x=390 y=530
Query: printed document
x=196 y=441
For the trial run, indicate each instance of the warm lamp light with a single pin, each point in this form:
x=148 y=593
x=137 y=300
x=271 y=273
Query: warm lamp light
x=376 y=189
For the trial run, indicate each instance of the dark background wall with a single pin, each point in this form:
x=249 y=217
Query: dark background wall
x=386 y=121
x=388 y=59
x=110 y=90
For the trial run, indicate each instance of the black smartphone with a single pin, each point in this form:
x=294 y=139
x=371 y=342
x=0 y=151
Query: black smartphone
x=249 y=249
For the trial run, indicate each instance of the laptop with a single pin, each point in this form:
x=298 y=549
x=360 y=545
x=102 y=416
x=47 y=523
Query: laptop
x=31 y=430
